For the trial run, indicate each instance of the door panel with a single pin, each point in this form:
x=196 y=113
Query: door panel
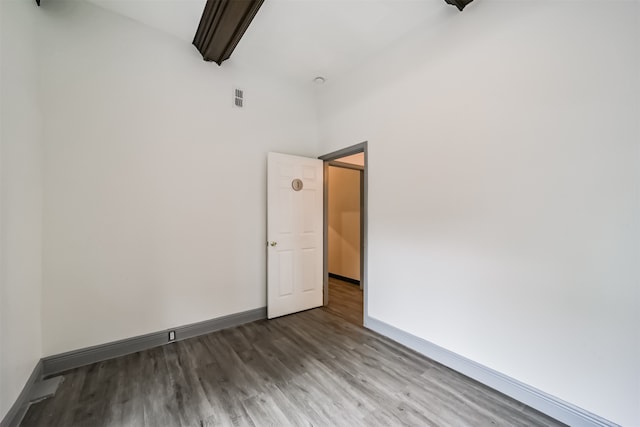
x=294 y=234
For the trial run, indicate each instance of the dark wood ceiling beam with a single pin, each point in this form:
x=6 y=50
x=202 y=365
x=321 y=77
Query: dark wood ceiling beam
x=222 y=25
x=460 y=4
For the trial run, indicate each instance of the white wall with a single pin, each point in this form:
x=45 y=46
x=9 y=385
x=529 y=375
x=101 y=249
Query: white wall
x=20 y=200
x=155 y=184
x=504 y=202
x=343 y=229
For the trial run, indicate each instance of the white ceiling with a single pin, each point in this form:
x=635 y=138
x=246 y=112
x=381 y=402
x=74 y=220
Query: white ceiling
x=298 y=39
x=177 y=17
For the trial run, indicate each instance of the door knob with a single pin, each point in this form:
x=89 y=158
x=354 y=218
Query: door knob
x=273 y=243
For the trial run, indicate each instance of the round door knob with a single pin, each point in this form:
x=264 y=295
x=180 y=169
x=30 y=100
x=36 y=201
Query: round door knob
x=273 y=243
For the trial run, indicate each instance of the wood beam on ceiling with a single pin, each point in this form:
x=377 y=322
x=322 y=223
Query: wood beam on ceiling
x=221 y=27
x=460 y=4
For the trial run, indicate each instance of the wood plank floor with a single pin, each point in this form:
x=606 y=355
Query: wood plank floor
x=345 y=300
x=308 y=369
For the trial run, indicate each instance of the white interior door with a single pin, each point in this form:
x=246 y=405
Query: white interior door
x=294 y=234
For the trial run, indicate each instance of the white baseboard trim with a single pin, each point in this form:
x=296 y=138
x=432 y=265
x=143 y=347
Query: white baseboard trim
x=543 y=402
x=85 y=356
x=20 y=406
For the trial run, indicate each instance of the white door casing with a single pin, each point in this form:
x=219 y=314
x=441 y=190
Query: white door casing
x=294 y=234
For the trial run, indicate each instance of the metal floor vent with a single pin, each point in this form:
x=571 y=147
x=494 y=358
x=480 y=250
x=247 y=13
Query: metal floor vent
x=239 y=98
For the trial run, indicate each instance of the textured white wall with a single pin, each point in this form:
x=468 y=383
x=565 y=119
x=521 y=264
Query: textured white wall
x=344 y=222
x=155 y=206
x=504 y=202
x=20 y=200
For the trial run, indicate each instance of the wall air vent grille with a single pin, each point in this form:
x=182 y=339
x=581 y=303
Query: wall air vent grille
x=238 y=99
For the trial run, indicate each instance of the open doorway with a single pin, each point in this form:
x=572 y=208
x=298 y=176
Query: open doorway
x=345 y=186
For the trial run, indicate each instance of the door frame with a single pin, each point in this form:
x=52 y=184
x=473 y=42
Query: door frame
x=327 y=158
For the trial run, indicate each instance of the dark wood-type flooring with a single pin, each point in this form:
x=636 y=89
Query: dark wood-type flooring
x=312 y=368
x=345 y=300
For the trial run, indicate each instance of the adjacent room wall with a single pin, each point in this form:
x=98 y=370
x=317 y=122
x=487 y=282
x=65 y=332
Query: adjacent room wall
x=20 y=200
x=504 y=202
x=155 y=206
x=344 y=222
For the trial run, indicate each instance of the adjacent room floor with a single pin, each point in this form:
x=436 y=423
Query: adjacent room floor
x=345 y=300
x=317 y=367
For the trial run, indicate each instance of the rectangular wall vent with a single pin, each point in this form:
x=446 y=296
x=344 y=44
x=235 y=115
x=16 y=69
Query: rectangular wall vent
x=239 y=98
